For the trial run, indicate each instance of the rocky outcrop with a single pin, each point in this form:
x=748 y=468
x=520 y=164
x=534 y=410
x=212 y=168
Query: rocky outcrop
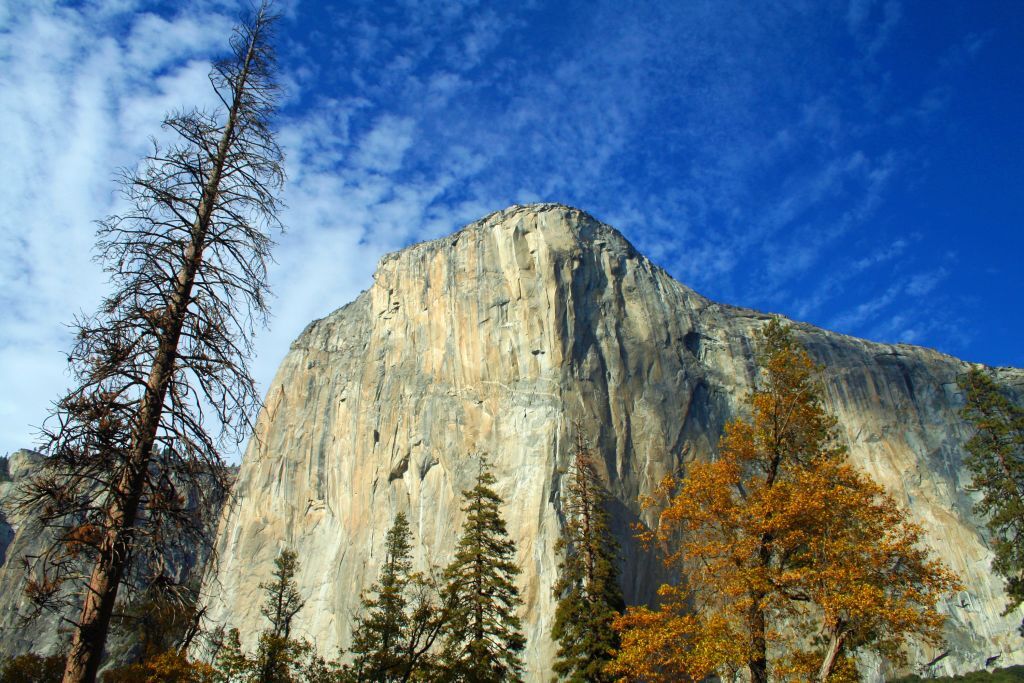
x=13 y=470
x=495 y=340
x=23 y=537
x=19 y=538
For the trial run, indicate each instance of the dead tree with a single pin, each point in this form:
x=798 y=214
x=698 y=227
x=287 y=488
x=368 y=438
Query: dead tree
x=161 y=369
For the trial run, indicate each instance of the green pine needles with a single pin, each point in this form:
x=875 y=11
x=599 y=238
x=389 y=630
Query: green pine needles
x=402 y=617
x=588 y=592
x=383 y=623
x=483 y=638
x=411 y=627
x=996 y=461
x=279 y=658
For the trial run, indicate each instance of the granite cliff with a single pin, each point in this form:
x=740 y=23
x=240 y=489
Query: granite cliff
x=495 y=340
x=22 y=536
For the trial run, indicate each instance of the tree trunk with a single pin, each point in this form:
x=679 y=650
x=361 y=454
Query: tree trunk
x=90 y=637
x=87 y=644
x=758 y=662
x=835 y=646
x=115 y=550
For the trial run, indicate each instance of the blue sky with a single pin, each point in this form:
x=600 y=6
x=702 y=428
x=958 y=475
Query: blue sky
x=855 y=164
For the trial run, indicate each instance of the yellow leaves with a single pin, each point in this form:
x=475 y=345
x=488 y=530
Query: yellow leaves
x=668 y=645
x=803 y=665
x=166 y=667
x=779 y=539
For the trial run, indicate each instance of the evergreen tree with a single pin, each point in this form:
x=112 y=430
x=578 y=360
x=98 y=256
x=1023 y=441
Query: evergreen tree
x=279 y=655
x=283 y=600
x=589 y=596
x=279 y=658
x=229 y=661
x=996 y=462
x=401 y=620
x=382 y=625
x=483 y=637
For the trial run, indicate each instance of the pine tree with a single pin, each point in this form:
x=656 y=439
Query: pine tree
x=279 y=658
x=483 y=638
x=160 y=371
x=382 y=625
x=401 y=618
x=588 y=592
x=996 y=462
x=279 y=655
x=229 y=662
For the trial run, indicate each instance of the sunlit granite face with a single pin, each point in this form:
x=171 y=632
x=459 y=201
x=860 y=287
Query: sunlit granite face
x=495 y=340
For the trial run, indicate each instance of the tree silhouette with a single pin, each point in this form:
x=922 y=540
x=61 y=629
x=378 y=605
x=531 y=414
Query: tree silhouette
x=278 y=652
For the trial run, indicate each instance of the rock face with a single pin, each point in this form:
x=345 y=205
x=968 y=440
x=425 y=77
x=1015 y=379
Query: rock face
x=19 y=538
x=22 y=536
x=495 y=340
x=13 y=469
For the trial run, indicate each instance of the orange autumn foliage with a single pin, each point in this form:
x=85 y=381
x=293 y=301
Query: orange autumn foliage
x=791 y=559
x=868 y=575
x=169 y=666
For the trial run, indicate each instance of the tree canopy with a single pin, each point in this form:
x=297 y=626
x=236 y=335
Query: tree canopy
x=996 y=461
x=402 y=617
x=587 y=588
x=777 y=540
x=483 y=638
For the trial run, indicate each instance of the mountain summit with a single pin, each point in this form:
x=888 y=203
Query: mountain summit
x=495 y=340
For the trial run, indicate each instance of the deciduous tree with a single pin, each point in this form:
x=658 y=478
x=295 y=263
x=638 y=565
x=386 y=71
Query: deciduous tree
x=160 y=370
x=483 y=638
x=996 y=462
x=864 y=579
x=781 y=540
x=169 y=666
x=588 y=591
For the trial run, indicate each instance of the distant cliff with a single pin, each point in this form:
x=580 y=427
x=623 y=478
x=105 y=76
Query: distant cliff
x=22 y=537
x=13 y=469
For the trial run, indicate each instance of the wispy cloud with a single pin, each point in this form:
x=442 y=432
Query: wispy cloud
x=746 y=147
x=76 y=104
x=923 y=284
x=895 y=311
